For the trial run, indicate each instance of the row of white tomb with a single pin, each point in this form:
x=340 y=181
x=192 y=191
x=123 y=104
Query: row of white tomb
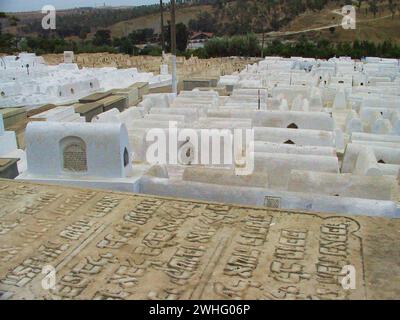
x=306 y=155
x=9 y=147
x=26 y=81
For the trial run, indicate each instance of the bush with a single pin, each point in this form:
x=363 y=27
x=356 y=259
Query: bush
x=154 y=51
x=235 y=46
x=7 y=43
x=217 y=47
x=200 y=53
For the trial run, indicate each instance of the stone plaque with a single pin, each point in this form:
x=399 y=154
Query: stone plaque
x=69 y=243
x=272 y=202
x=74 y=157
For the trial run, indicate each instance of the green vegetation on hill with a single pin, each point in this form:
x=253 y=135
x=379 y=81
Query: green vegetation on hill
x=241 y=45
x=248 y=45
x=289 y=28
x=81 y=23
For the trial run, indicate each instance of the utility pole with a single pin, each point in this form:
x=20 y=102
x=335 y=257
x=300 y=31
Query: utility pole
x=173 y=48
x=162 y=27
x=263 y=42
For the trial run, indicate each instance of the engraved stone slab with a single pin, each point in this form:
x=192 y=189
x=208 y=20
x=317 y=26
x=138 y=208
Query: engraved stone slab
x=107 y=245
x=74 y=157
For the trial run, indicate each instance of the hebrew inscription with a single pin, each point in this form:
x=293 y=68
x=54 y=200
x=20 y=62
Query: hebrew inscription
x=74 y=155
x=106 y=245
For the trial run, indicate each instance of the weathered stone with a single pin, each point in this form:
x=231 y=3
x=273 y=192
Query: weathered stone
x=115 y=101
x=106 y=245
x=8 y=168
x=95 y=97
x=13 y=116
x=89 y=110
x=190 y=84
x=142 y=87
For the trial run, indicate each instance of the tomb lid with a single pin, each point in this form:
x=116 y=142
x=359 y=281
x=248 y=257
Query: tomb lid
x=111 y=100
x=95 y=97
x=10 y=112
x=197 y=253
x=5 y=163
x=83 y=108
x=124 y=90
x=139 y=85
x=200 y=79
x=41 y=109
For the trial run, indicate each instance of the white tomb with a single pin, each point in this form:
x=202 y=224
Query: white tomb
x=83 y=154
x=9 y=147
x=27 y=81
x=306 y=114
x=69 y=57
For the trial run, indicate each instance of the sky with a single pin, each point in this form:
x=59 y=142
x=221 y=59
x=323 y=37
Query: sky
x=36 y=5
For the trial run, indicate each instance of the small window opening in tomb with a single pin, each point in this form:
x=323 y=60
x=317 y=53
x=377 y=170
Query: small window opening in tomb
x=272 y=202
x=320 y=78
x=382 y=113
x=3 y=94
x=381 y=162
x=74 y=154
x=60 y=93
x=336 y=195
x=72 y=91
x=362 y=83
x=126 y=157
x=289 y=142
x=292 y=126
x=341 y=81
x=188 y=153
x=91 y=85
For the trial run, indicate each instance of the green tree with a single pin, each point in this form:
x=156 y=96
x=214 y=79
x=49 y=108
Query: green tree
x=182 y=37
x=141 y=36
x=102 y=38
x=7 y=42
x=126 y=46
x=84 y=32
x=392 y=8
x=247 y=45
x=204 y=22
x=373 y=7
x=13 y=21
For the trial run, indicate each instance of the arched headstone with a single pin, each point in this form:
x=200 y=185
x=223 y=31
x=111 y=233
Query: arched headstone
x=74 y=154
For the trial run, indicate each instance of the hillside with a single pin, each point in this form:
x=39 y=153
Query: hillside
x=75 y=22
x=152 y=21
x=283 y=19
x=384 y=26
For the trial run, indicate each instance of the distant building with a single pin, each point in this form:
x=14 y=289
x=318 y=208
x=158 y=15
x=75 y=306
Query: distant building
x=198 y=39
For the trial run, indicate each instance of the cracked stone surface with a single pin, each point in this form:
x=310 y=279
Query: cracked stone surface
x=69 y=243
